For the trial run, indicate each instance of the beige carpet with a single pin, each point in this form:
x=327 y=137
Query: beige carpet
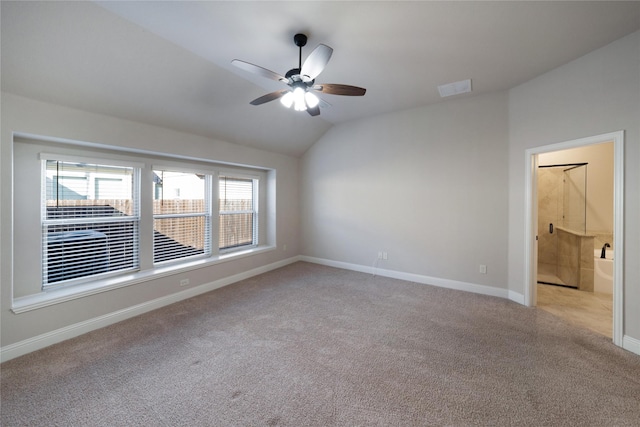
x=308 y=345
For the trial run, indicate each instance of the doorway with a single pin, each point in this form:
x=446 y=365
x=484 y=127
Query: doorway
x=533 y=229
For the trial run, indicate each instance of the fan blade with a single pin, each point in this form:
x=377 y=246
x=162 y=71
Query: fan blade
x=316 y=61
x=246 y=66
x=323 y=104
x=315 y=111
x=269 y=97
x=337 y=89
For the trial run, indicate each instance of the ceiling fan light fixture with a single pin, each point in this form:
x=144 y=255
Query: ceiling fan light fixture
x=287 y=99
x=301 y=80
x=312 y=100
x=299 y=99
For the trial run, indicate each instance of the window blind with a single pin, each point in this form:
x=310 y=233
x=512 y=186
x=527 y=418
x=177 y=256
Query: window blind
x=238 y=213
x=88 y=228
x=181 y=215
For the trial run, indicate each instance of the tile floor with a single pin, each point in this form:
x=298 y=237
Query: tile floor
x=547 y=274
x=590 y=310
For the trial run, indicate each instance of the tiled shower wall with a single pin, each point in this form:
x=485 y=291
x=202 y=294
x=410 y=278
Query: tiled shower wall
x=575 y=259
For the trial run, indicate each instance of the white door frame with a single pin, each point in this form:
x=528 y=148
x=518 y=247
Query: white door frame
x=531 y=220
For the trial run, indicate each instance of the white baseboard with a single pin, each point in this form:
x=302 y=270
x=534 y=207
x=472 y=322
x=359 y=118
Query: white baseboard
x=631 y=344
x=41 y=341
x=628 y=343
x=418 y=278
x=516 y=297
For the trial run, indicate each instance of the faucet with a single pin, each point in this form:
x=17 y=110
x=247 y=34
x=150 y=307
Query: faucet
x=603 y=254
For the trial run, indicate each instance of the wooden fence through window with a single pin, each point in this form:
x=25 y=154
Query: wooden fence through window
x=235 y=229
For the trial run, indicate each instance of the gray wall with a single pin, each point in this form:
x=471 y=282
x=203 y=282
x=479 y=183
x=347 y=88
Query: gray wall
x=595 y=94
x=426 y=185
x=38 y=118
x=441 y=188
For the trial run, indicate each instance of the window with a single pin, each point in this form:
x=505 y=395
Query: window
x=90 y=218
x=181 y=215
x=104 y=218
x=238 y=212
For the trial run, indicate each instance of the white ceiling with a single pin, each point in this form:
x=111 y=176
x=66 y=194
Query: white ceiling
x=169 y=63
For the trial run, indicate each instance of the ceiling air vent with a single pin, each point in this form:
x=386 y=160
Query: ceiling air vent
x=456 y=88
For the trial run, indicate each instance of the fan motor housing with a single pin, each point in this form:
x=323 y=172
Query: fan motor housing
x=300 y=40
x=292 y=72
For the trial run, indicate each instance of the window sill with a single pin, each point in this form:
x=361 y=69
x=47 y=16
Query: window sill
x=57 y=296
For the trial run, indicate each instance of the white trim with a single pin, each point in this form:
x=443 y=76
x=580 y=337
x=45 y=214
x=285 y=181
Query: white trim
x=234 y=173
x=184 y=167
x=41 y=341
x=631 y=344
x=627 y=342
x=64 y=294
x=530 y=227
x=618 y=221
x=91 y=160
x=127 y=150
x=618 y=239
x=411 y=277
x=516 y=297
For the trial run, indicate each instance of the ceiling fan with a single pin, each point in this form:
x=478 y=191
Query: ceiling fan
x=301 y=80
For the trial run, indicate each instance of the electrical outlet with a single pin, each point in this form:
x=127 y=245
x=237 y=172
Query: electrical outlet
x=385 y=255
x=380 y=255
x=284 y=247
x=184 y=282
x=483 y=269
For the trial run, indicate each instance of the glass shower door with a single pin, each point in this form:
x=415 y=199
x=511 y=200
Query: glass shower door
x=561 y=203
x=550 y=189
x=574 y=204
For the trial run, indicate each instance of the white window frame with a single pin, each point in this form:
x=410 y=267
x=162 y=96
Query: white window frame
x=255 y=211
x=135 y=218
x=207 y=214
x=28 y=292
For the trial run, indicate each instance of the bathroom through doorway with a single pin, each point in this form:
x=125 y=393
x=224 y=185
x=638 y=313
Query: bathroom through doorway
x=565 y=229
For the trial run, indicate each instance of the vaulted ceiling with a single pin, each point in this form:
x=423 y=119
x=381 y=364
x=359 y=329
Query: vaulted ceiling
x=169 y=63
